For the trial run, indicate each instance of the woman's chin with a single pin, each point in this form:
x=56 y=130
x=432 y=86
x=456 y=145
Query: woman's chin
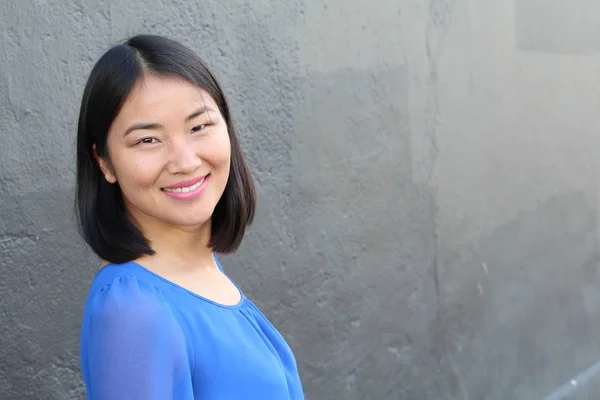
x=184 y=221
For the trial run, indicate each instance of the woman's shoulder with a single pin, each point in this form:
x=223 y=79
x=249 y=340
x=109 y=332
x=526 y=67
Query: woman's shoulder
x=119 y=276
x=125 y=308
x=121 y=292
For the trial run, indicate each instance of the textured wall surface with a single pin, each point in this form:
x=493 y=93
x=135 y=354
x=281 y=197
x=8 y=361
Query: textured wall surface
x=427 y=174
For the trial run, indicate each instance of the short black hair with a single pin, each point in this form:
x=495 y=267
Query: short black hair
x=99 y=206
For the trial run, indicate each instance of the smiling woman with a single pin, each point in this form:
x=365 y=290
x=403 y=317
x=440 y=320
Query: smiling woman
x=182 y=144
x=162 y=186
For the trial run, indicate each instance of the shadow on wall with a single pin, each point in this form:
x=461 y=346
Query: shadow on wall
x=365 y=233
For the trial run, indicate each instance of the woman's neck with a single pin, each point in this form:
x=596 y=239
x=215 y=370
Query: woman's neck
x=182 y=247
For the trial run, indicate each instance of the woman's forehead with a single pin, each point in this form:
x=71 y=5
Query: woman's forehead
x=156 y=95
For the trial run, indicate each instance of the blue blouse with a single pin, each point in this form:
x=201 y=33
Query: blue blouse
x=144 y=337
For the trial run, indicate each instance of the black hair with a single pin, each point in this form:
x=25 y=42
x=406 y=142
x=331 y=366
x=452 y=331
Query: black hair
x=102 y=218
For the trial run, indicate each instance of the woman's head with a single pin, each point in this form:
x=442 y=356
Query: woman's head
x=156 y=145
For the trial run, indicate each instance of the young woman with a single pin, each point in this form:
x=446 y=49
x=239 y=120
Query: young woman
x=162 y=186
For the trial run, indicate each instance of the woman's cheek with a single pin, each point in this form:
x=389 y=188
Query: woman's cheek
x=223 y=147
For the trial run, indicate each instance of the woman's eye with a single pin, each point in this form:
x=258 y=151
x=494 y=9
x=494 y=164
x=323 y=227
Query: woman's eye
x=148 y=140
x=198 y=128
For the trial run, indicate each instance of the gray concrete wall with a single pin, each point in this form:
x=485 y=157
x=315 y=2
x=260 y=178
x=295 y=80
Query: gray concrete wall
x=427 y=175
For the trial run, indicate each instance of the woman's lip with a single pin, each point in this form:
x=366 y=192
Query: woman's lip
x=189 y=195
x=188 y=183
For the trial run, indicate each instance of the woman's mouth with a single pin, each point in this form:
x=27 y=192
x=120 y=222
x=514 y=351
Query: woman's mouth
x=186 y=189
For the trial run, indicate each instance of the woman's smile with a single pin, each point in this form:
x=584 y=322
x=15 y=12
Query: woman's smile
x=187 y=190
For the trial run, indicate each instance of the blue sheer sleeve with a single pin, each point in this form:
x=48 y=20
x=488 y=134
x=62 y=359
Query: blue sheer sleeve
x=136 y=348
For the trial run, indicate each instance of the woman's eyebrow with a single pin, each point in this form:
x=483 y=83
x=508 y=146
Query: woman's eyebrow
x=150 y=125
x=199 y=112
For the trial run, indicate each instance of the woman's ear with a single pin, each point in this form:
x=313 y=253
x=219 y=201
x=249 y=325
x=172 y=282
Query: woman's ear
x=105 y=166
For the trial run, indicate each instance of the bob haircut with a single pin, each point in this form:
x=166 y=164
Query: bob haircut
x=102 y=218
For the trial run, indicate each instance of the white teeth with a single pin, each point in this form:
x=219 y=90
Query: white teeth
x=185 y=189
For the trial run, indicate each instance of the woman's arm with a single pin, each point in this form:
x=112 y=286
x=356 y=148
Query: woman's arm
x=136 y=348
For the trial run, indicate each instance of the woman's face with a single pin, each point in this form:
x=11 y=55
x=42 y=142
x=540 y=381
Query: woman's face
x=169 y=152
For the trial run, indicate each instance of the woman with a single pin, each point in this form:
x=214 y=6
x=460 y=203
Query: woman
x=162 y=186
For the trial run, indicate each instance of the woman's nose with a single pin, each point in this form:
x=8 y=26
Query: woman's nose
x=184 y=158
